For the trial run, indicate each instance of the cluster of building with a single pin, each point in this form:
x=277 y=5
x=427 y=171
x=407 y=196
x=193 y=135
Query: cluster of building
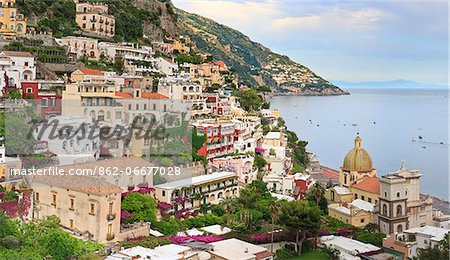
x=157 y=90
x=392 y=201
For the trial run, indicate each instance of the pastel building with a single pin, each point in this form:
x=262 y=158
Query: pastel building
x=400 y=204
x=242 y=165
x=212 y=187
x=94 y=18
x=12 y=23
x=88 y=207
x=412 y=240
x=219 y=137
x=81 y=46
x=15 y=68
x=357 y=213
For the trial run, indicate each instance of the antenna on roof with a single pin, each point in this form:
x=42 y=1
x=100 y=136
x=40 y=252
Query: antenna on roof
x=403 y=167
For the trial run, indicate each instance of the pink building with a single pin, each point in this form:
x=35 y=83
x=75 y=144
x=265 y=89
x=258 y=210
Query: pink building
x=242 y=165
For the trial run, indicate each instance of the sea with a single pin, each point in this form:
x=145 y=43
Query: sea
x=395 y=125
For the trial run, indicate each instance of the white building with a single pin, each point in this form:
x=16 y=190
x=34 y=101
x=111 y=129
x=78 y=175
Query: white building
x=400 y=204
x=81 y=46
x=72 y=139
x=166 y=252
x=350 y=249
x=238 y=250
x=18 y=67
x=176 y=87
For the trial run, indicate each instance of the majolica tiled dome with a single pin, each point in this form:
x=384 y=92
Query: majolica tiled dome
x=357 y=159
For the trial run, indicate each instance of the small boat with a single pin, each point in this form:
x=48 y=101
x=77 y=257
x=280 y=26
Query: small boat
x=345 y=125
x=424 y=147
x=354 y=124
x=441 y=142
x=374 y=122
x=420 y=137
x=317 y=125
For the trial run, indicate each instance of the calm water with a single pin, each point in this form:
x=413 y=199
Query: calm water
x=401 y=116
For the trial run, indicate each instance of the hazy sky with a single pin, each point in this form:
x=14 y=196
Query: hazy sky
x=344 y=40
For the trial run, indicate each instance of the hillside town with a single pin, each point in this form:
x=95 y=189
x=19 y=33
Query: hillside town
x=157 y=150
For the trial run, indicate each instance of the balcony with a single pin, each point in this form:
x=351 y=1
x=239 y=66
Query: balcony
x=107 y=22
x=110 y=217
x=101 y=21
x=93 y=20
x=110 y=237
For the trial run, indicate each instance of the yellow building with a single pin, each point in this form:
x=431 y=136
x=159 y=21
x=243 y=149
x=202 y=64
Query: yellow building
x=11 y=22
x=94 y=18
x=367 y=189
x=357 y=213
x=357 y=164
x=87 y=206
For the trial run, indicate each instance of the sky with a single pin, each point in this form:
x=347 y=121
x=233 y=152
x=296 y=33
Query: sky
x=344 y=40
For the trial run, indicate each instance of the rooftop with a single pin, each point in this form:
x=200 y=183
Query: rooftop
x=435 y=233
x=154 y=95
x=18 y=54
x=364 y=205
x=342 y=190
x=369 y=184
x=79 y=183
x=89 y=71
x=216 y=229
x=236 y=249
x=349 y=245
x=197 y=180
x=273 y=135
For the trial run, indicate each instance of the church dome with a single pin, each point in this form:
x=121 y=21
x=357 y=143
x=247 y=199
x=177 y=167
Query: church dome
x=357 y=159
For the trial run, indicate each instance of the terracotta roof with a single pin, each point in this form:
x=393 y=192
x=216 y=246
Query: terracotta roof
x=86 y=184
x=124 y=95
x=89 y=71
x=18 y=54
x=263 y=255
x=153 y=95
x=330 y=173
x=220 y=63
x=370 y=184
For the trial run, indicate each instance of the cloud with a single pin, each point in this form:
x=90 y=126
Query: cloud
x=320 y=33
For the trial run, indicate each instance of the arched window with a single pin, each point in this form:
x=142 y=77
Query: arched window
x=398 y=194
x=399 y=210
x=19 y=27
x=384 y=209
x=399 y=229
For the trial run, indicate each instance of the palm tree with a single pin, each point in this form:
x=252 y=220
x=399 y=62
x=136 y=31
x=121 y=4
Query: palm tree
x=274 y=209
x=229 y=204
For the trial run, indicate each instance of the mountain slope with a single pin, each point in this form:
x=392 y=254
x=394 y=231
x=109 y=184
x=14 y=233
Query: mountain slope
x=255 y=63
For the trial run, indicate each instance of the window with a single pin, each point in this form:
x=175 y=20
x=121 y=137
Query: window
x=111 y=206
x=72 y=203
x=36 y=196
x=356 y=196
x=44 y=102
x=163 y=193
x=130 y=181
x=154 y=106
x=362 y=197
x=52 y=102
x=116 y=182
x=145 y=106
x=384 y=209
x=399 y=210
x=362 y=220
x=29 y=90
x=54 y=200
x=71 y=224
x=369 y=200
x=118 y=114
x=92 y=209
x=129 y=106
x=398 y=194
x=26 y=63
x=385 y=194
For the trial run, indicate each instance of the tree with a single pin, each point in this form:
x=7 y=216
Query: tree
x=317 y=195
x=13 y=94
x=274 y=209
x=259 y=162
x=249 y=100
x=141 y=206
x=119 y=66
x=17 y=130
x=301 y=218
x=439 y=251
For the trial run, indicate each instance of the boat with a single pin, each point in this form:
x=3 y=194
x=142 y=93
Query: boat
x=354 y=124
